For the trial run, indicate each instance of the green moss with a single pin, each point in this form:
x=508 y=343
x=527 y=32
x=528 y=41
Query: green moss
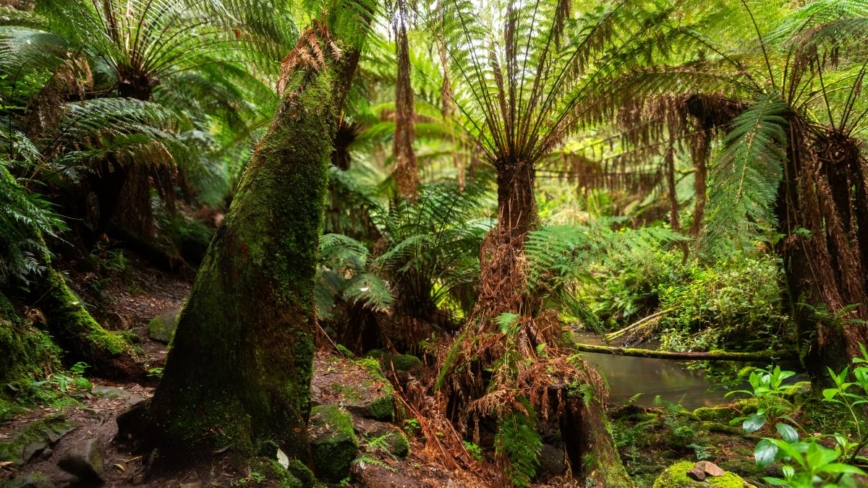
x=25 y=354
x=333 y=444
x=75 y=327
x=33 y=438
x=399 y=445
x=383 y=408
x=675 y=476
x=715 y=414
x=302 y=473
x=401 y=362
x=346 y=352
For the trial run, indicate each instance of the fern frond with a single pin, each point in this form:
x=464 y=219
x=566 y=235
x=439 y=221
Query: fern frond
x=746 y=174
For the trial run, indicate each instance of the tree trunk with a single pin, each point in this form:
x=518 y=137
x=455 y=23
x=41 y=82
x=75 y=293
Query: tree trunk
x=79 y=334
x=406 y=174
x=673 y=193
x=822 y=210
x=687 y=356
x=241 y=363
x=488 y=366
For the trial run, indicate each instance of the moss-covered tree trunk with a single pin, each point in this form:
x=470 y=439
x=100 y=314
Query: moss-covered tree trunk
x=80 y=336
x=240 y=367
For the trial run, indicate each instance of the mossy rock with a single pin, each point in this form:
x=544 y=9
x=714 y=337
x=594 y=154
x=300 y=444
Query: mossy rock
x=333 y=443
x=33 y=439
x=302 y=473
x=675 y=476
x=162 y=327
x=715 y=414
x=388 y=438
x=405 y=363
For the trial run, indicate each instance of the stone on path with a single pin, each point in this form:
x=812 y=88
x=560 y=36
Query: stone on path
x=84 y=460
x=162 y=327
x=31 y=480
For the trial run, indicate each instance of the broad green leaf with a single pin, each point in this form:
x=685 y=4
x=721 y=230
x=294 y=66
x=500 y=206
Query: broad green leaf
x=754 y=423
x=788 y=433
x=765 y=452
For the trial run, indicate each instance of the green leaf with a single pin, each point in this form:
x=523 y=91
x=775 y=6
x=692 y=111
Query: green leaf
x=786 y=431
x=506 y=320
x=753 y=423
x=765 y=453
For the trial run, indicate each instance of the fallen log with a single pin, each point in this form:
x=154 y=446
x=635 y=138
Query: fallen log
x=688 y=356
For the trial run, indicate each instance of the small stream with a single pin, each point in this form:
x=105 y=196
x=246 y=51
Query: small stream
x=668 y=379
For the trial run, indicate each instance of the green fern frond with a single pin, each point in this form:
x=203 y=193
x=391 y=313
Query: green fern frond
x=745 y=176
x=370 y=290
x=24 y=219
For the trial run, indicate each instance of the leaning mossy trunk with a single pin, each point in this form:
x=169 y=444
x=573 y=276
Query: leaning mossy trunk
x=239 y=372
x=240 y=367
x=81 y=337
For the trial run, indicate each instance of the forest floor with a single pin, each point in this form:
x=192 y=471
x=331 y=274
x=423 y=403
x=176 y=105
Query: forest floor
x=650 y=439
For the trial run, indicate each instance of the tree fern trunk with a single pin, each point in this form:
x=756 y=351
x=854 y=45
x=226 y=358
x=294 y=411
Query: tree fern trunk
x=240 y=367
x=406 y=174
x=822 y=210
x=473 y=368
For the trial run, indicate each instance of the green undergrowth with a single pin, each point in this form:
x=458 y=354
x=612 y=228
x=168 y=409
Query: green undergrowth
x=652 y=439
x=30 y=371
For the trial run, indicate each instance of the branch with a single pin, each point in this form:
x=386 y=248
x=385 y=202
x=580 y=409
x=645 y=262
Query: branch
x=688 y=356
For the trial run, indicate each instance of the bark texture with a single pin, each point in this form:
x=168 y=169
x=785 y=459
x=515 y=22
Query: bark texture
x=239 y=373
x=406 y=174
x=823 y=210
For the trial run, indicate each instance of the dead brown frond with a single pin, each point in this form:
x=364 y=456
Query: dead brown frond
x=314 y=49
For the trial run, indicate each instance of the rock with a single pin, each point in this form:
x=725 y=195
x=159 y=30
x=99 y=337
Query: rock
x=333 y=442
x=32 y=480
x=302 y=473
x=383 y=436
x=33 y=439
x=552 y=460
x=84 y=460
x=405 y=363
x=162 y=327
x=710 y=468
x=362 y=389
x=696 y=474
x=678 y=476
x=195 y=484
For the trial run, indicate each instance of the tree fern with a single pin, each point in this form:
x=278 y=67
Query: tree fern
x=745 y=176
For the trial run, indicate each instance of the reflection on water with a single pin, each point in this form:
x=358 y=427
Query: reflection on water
x=670 y=380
